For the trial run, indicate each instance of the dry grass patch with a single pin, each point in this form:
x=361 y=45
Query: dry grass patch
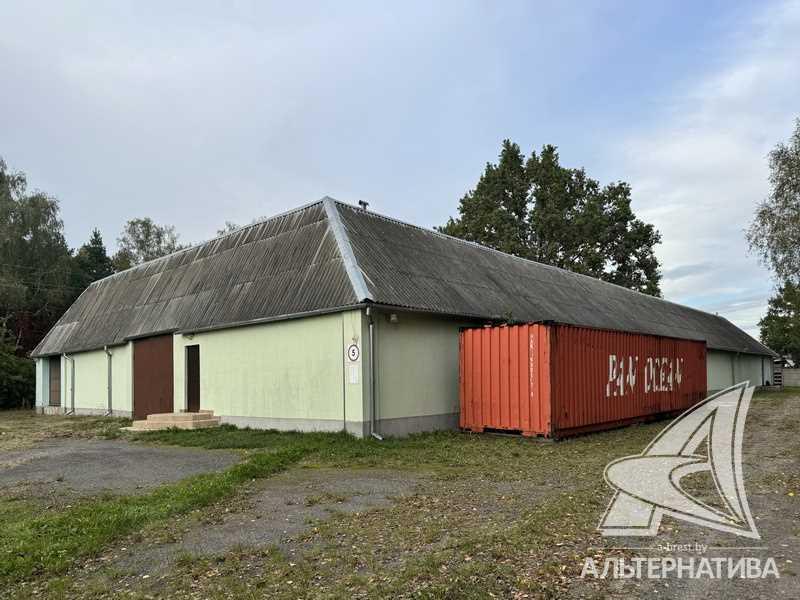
x=20 y=429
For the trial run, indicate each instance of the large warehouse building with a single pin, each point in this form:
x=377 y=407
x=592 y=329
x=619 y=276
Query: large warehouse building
x=331 y=317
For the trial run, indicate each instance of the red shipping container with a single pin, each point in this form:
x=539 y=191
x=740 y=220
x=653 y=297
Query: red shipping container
x=556 y=380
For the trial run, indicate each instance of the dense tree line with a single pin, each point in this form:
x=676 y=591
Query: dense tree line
x=40 y=276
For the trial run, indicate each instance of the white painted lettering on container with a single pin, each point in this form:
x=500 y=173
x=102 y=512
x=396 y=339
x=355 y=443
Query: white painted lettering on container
x=661 y=374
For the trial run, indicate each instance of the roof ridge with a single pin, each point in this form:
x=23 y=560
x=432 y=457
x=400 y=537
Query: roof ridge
x=354 y=272
x=759 y=342
x=527 y=260
x=285 y=213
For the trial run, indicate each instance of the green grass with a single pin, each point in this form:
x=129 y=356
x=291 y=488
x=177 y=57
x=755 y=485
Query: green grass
x=35 y=545
x=496 y=456
x=497 y=514
x=49 y=544
x=230 y=436
x=502 y=515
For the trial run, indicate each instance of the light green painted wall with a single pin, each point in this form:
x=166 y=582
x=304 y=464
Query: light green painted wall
x=748 y=368
x=122 y=377
x=41 y=368
x=416 y=366
x=725 y=369
x=355 y=372
x=64 y=383
x=295 y=369
x=719 y=370
x=769 y=369
x=91 y=380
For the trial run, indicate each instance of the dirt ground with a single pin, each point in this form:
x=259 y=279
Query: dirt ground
x=272 y=514
x=20 y=429
x=311 y=512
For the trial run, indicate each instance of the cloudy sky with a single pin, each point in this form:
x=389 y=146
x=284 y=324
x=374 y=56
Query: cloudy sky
x=198 y=113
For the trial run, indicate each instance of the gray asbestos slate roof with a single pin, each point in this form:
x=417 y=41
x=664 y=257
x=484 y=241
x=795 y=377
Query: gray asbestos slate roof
x=328 y=256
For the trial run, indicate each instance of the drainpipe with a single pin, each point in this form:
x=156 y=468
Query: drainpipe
x=110 y=411
x=344 y=384
x=71 y=411
x=373 y=403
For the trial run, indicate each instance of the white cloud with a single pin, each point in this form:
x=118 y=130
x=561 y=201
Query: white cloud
x=700 y=172
x=198 y=113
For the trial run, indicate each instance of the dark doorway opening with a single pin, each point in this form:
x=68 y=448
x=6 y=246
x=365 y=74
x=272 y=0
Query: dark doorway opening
x=152 y=376
x=193 y=378
x=54 y=368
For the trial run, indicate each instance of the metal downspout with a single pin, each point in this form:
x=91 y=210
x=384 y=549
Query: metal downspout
x=71 y=411
x=344 y=384
x=373 y=403
x=110 y=411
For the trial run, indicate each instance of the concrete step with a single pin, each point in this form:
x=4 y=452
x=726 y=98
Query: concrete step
x=181 y=416
x=147 y=425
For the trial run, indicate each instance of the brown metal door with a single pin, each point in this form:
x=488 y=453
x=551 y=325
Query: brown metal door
x=55 y=380
x=193 y=378
x=152 y=376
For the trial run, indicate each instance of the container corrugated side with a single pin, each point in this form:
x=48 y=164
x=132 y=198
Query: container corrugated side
x=557 y=380
x=504 y=379
x=603 y=378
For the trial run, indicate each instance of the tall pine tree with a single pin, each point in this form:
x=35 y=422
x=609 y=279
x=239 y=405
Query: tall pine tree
x=91 y=261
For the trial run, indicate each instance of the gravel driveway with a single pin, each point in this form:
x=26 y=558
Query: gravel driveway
x=74 y=467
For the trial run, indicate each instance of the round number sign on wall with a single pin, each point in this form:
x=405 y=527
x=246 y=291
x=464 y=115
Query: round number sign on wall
x=353 y=352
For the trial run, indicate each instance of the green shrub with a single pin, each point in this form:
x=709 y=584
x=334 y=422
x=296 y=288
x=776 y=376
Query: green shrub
x=17 y=380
